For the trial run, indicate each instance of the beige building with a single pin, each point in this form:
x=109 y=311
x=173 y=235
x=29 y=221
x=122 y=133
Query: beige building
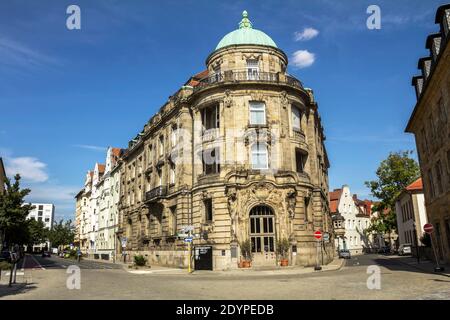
x=430 y=124
x=236 y=154
x=411 y=214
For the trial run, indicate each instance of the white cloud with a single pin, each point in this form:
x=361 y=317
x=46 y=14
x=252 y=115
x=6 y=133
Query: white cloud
x=89 y=147
x=29 y=168
x=306 y=34
x=303 y=59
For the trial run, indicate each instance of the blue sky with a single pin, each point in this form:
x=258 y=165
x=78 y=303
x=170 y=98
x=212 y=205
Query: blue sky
x=67 y=95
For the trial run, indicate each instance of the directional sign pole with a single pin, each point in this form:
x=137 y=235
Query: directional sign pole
x=438 y=267
x=318 y=236
x=189 y=254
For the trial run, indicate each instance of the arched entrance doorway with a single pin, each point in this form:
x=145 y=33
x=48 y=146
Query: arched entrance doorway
x=262 y=235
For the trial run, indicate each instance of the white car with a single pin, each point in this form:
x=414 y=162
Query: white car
x=405 y=249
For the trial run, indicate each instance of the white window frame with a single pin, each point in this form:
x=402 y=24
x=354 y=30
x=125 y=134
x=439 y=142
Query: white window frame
x=255 y=106
x=299 y=116
x=256 y=152
x=252 y=66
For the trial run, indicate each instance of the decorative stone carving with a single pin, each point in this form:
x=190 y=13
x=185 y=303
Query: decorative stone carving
x=258 y=96
x=205 y=195
x=227 y=101
x=232 y=209
x=291 y=199
x=284 y=99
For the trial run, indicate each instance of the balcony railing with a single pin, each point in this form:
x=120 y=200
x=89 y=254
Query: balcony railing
x=238 y=76
x=156 y=193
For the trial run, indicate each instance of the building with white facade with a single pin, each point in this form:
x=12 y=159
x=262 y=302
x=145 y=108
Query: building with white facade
x=44 y=212
x=108 y=189
x=96 y=208
x=356 y=214
x=411 y=214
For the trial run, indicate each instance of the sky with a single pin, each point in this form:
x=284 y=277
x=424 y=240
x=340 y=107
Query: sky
x=66 y=95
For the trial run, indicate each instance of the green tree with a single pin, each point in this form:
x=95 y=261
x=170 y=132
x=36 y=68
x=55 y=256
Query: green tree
x=394 y=174
x=13 y=213
x=62 y=233
x=37 y=232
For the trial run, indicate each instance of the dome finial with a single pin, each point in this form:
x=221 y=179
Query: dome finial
x=245 y=22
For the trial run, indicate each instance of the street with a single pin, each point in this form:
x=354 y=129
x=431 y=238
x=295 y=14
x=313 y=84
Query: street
x=47 y=278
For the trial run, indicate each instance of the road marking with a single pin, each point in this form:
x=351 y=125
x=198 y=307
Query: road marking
x=39 y=265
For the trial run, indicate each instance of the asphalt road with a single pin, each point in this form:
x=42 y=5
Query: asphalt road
x=55 y=262
x=98 y=281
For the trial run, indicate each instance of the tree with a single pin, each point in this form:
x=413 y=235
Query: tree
x=62 y=233
x=394 y=174
x=13 y=214
x=37 y=232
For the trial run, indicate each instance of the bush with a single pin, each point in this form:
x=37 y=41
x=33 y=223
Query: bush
x=283 y=247
x=246 y=249
x=5 y=265
x=140 y=260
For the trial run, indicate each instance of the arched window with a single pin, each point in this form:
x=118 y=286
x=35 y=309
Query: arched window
x=260 y=156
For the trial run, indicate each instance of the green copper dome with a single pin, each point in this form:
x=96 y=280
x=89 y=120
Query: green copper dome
x=246 y=35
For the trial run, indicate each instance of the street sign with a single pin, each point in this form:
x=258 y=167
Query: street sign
x=318 y=235
x=188 y=239
x=124 y=242
x=326 y=237
x=428 y=228
x=182 y=235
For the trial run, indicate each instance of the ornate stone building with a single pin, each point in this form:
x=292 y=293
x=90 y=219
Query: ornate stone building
x=431 y=126
x=236 y=154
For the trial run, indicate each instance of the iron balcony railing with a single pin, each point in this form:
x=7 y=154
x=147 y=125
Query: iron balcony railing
x=238 y=76
x=156 y=193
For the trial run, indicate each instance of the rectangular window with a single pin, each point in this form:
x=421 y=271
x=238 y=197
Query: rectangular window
x=252 y=69
x=173 y=219
x=41 y=207
x=300 y=161
x=257 y=113
x=211 y=163
x=159 y=177
x=210 y=117
x=296 y=118
x=174 y=136
x=260 y=157
x=431 y=183
x=161 y=145
x=172 y=173
x=208 y=205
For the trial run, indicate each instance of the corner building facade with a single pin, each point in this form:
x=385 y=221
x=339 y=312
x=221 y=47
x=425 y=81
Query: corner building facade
x=236 y=155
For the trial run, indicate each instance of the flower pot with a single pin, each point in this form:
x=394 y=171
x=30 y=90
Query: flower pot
x=246 y=264
x=284 y=262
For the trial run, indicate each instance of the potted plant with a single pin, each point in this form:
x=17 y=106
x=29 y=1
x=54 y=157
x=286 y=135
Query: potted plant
x=283 y=249
x=246 y=250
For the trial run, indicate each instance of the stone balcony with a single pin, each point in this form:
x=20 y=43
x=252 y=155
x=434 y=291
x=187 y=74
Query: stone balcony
x=156 y=193
x=233 y=76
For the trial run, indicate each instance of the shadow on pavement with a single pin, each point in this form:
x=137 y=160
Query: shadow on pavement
x=19 y=288
x=405 y=264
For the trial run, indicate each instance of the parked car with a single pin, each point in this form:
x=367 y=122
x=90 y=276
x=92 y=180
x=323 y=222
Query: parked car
x=46 y=254
x=384 y=250
x=405 y=249
x=344 y=254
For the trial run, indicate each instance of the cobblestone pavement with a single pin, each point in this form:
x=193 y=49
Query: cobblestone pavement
x=398 y=281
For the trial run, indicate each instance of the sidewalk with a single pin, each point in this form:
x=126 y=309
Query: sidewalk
x=424 y=265
x=335 y=265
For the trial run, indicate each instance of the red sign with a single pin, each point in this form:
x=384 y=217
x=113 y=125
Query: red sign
x=428 y=228
x=318 y=235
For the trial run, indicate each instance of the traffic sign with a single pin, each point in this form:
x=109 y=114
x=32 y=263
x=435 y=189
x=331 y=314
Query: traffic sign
x=428 y=228
x=318 y=235
x=326 y=237
x=187 y=228
x=188 y=239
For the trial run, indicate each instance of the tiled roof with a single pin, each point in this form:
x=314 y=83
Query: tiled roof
x=334 y=197
x=416 y=185
x=101 y=168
